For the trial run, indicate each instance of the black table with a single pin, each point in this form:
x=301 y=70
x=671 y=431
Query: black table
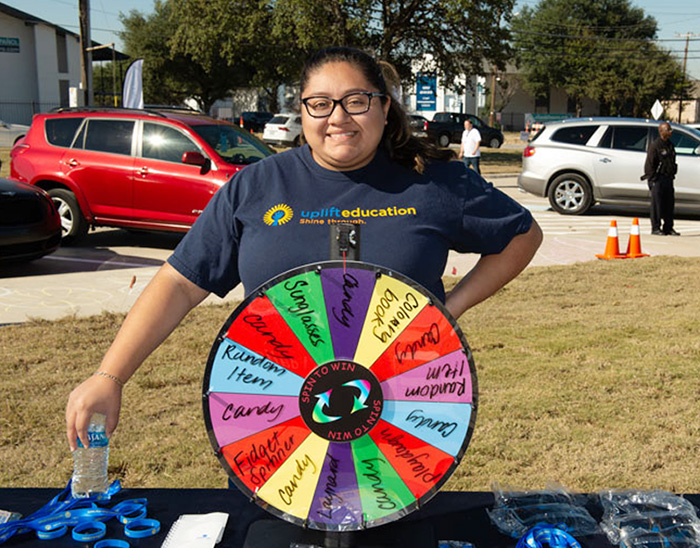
x=448 y=516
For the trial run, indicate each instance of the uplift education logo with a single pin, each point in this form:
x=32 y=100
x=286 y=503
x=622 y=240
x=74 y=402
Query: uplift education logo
x=278 y=215
x=357 y=215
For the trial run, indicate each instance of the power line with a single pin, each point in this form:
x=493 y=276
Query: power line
x=588 y=55
x=72 y=4
x=598 y=38
x=70 y=26
x=521 y=44
x=694 y=15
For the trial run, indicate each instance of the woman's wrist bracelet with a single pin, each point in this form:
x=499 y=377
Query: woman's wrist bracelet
x=115 y=379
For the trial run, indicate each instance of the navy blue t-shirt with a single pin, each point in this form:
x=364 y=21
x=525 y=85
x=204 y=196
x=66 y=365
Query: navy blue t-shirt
x=277 y=214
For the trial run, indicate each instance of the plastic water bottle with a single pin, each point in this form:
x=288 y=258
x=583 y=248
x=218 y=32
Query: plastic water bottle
x=90 y=465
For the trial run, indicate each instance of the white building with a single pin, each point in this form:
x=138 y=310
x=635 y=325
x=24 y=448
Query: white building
x=512 y=104
x=39 y=63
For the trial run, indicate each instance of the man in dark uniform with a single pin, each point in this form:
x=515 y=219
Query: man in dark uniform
x=659 y=170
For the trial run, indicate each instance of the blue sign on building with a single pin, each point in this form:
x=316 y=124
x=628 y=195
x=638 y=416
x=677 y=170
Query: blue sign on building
x=9 y=45
x=426 y=91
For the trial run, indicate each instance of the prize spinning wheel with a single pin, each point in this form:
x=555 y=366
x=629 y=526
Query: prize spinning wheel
x=340 y=396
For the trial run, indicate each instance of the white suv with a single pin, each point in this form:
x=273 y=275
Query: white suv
x=582 y=161
x=283 y=130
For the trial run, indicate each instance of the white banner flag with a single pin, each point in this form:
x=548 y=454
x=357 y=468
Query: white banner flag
x=133 y=86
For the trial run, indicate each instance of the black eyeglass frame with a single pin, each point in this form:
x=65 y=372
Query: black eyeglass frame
x=336 y=102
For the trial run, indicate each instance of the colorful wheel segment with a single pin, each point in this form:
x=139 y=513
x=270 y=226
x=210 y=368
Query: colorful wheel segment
x=340 y=396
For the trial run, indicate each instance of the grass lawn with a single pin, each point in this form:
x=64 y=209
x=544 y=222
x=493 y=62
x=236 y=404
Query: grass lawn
x=5 y=159
x=500 y=161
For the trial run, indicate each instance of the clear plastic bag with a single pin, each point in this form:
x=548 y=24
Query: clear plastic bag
x=647 y=519
x=516 y=521
x=517 y=511
x=552 y=495
x=657 y=540
x=629 y=501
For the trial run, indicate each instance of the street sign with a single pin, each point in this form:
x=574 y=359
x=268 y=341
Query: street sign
x=657 y=110
x=426 y=91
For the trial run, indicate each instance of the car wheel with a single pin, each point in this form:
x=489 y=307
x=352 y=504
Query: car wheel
x=570 y=194
x=443 y=140
x=495 y=143
x=73 y=223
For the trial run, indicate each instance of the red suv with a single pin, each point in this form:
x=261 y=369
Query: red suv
x=140 y=169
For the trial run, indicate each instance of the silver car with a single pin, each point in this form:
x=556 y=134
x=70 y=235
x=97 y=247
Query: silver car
x=582 y=161
x=11 y=133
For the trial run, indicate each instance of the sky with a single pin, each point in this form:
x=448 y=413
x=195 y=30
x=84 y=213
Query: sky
x=675 y=20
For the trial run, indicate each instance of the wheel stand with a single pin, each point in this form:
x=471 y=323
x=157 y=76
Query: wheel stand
x=270 y=533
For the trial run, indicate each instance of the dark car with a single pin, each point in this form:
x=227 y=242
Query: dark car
x=131 y=168
x=417 y=123
x=447 y=127
x=30 y=226
x=254 y=120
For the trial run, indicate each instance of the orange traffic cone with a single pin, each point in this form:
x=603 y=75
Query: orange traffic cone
x=612 y=247
x=634 y=246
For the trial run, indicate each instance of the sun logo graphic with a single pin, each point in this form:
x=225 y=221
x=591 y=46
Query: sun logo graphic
x=278 y=215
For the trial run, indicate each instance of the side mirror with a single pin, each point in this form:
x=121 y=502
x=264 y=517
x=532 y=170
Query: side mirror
x=696 y=152
x=197 y=159
x=194 y=159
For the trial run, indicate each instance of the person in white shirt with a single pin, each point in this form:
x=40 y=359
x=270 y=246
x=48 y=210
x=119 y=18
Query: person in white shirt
x=469 y=148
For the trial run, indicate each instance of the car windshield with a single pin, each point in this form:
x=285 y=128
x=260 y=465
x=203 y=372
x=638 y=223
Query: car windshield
x=233 y=145
x=278 y=120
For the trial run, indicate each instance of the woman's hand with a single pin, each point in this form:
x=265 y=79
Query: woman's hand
x=95 y=395
x=167 y=298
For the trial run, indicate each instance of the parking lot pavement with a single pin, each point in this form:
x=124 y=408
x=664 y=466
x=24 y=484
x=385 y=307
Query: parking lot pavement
x=107 y=273
x=113 y=266
x=571 y=239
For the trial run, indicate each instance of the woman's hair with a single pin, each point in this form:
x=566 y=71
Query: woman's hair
x=398 y=139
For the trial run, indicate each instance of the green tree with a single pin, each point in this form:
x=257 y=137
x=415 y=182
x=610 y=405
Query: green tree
x=459 y=35
x=602 y=49
x=108 y=79
x=449 y=37
x=637 y=78
x=237 y=38
x=170 y=73
x=205 y=48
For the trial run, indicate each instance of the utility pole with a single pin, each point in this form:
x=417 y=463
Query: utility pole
x=85 y=53
x=687 y=36
x=492 y=109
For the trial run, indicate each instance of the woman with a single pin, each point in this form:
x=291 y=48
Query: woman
x=361 y=164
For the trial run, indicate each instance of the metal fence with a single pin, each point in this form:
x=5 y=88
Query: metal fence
x=512 y=121
x=22 y=113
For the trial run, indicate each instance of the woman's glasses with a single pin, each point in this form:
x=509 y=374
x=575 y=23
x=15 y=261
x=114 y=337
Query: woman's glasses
x=352 y=103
